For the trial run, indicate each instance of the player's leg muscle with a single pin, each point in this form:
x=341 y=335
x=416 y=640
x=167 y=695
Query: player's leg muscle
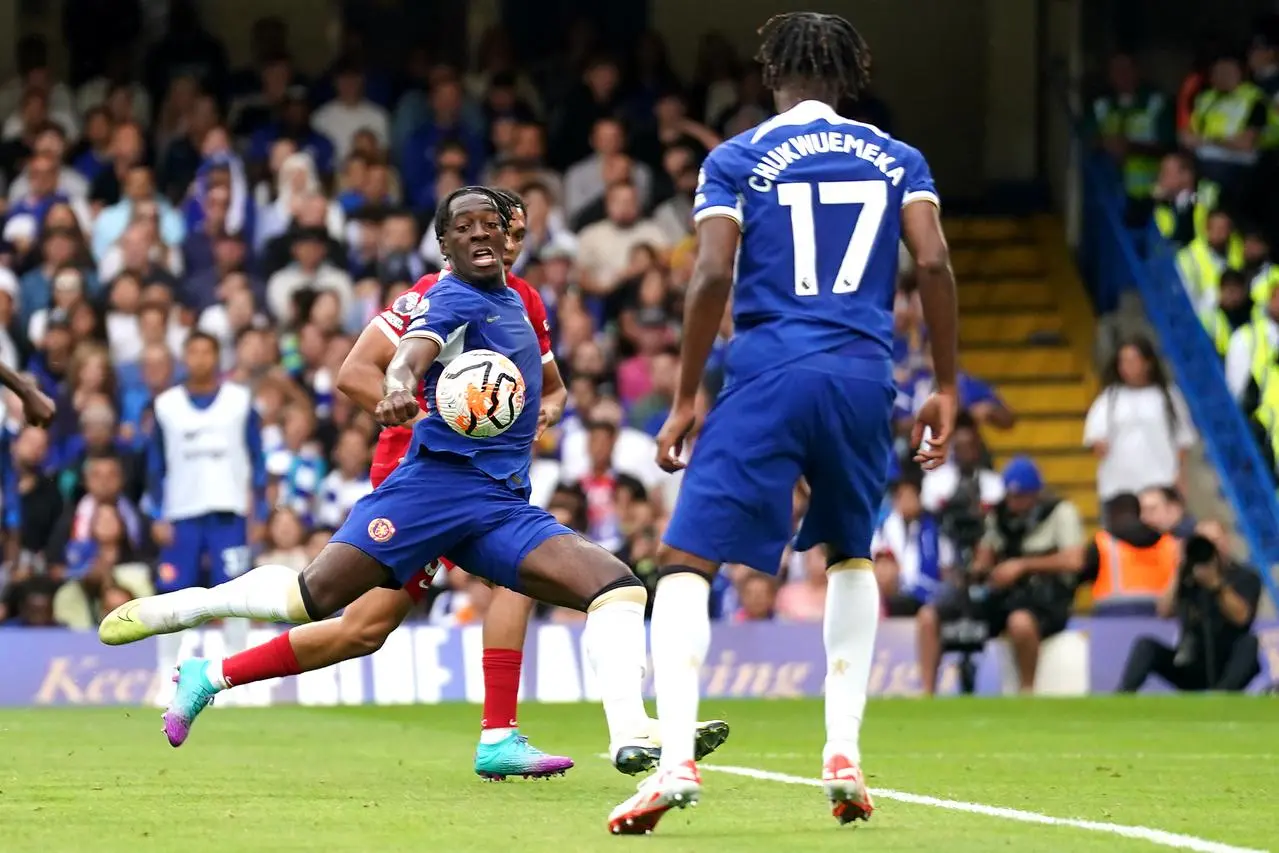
x=506 y=623
x=569 y=571
x=337 y=577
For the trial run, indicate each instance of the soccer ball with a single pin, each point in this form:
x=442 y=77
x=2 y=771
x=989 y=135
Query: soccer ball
x=480 y=394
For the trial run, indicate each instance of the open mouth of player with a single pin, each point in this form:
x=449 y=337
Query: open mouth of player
x=484 y=257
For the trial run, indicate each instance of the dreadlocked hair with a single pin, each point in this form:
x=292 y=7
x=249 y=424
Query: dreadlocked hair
x=499 y=198
x=813 y=46
x=514 y=200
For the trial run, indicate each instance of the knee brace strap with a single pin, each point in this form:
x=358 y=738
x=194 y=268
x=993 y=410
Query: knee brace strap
x=628 y=588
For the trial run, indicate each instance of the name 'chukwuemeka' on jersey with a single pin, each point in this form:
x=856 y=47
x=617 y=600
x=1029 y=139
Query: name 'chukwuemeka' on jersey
x=818 y=198
x=774 y=162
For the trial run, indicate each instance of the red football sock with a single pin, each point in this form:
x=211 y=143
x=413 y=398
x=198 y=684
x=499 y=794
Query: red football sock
x=272 y=659
x=501 y=687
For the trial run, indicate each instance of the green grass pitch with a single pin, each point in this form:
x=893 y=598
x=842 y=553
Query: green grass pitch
x=400 y=779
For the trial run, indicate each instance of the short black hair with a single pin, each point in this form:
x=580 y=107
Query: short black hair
x=198 y=335
x=444 y=216
x=1124 y=505
x=1232 y=277
x=816 y=47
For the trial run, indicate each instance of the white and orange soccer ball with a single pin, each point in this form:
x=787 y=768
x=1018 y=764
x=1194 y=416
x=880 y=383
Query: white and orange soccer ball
x=480 y=393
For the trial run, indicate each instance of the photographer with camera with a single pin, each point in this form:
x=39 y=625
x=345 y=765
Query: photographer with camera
x=1214 y=600
x=1021 y=579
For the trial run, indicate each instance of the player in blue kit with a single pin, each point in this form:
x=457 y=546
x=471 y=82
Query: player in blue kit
x=818 y=204
x=453 y=495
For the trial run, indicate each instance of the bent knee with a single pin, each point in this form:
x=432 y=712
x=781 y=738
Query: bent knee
x=1022 y=626
x=927 y=618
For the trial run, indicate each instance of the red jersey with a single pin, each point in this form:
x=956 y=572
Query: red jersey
x=394 y=442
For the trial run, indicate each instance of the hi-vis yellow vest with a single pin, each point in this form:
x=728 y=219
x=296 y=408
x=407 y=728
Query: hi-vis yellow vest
x=1201 y=269
x=1219 y=116
x=1263 y=284
x=1136 y=120
x=1263 y=370
x=1166 y=219
x=1217 y=325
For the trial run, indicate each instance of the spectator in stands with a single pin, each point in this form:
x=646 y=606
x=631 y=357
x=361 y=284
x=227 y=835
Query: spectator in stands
x=102 y=573
x=1233 y=311
x=803 y=599
x=116 y=80
x=1134 y=125
x=138 y=201
x=38 y=501
x=1263 y=61
x=184 y=153
x=965 y=478
x=1138 y=427
x=350 y=112
x=1226 y=130
x=35 y=80
x=34 y=603
x=1026 y=561
x=1261 y=275
x=585 y=181
x=347 y=482
x=757 y=593
x=51 y=141
x=1250 y=368
x=447 y=123
x=104 y=484
x=310 y=270
x=598 y=96
x=910 y=554
x=604 y=249
x=127 y=150
x=1204 y=258
x=1164 y=509
x=1179 y=215
x=1131 y=563
x=293 y=123
x=1215 y=602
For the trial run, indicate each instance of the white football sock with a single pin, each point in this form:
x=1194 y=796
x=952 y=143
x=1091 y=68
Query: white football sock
x=852 y=619
x=681 y=637
x=267 y=593
x=614 y=642
x=491 y=736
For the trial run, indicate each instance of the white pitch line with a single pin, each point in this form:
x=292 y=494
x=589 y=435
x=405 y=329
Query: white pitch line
x=1143 y=833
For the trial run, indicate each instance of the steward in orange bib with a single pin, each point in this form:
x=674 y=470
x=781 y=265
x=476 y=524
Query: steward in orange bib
x=1131 y=563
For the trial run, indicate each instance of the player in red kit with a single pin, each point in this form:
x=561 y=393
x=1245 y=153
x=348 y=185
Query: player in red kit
x=364 y=626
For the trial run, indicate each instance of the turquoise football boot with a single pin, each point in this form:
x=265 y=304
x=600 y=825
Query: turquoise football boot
x=195 y=692
x=515 y=756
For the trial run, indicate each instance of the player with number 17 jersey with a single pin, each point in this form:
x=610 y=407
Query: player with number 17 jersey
x=808 y=387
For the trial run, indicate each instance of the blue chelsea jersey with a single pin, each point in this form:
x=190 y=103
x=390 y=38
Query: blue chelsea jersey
x=460 y=317
x=818 y=198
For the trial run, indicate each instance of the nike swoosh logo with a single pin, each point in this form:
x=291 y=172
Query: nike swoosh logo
x=126 y=615
x=493 y=319
x=425 y=583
